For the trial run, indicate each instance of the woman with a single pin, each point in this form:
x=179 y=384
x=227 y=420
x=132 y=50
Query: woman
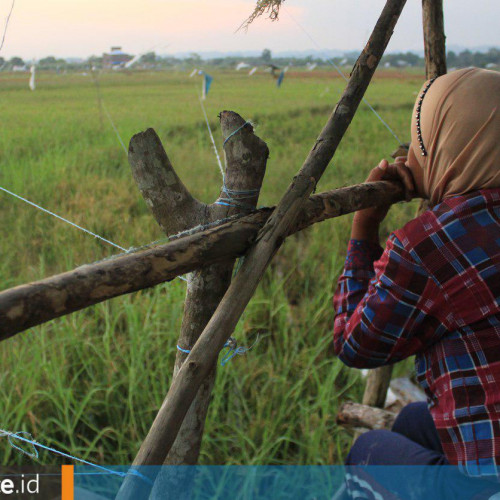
x=434 y=292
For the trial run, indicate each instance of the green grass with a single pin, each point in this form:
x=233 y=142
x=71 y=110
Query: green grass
x=90 y=383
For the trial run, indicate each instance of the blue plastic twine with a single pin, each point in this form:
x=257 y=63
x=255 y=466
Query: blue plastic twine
x=232 y=345
x=229 y=200
x=34 y=454
x=235 y=132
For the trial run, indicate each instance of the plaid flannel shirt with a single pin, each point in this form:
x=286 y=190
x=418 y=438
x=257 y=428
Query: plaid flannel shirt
x=434 y=292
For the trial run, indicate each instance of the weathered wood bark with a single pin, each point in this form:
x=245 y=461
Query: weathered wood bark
x=434 y=38
x=269 y=239
x=171 y=203
x=25 y=306
x=364 y=416
x=246 y=157
x=377 y=383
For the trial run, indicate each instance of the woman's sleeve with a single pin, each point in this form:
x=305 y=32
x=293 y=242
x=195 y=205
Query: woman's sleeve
x=385 y=310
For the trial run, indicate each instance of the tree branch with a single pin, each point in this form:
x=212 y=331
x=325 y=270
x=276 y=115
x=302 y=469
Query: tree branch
x=364 y=416
x=171 y=203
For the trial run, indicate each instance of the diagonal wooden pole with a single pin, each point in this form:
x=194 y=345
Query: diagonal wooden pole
x=204 y=353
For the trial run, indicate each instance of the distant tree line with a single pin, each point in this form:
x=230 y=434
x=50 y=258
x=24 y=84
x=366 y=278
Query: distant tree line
x=151 y=60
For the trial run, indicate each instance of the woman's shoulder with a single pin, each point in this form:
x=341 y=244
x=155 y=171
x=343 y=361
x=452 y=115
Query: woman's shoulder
x=452 y=218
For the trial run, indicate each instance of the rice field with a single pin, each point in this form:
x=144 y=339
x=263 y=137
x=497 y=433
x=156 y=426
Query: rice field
x=90 y=383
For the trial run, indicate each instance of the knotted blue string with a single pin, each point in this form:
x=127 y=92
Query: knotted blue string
x=34 y=454
x=232 y=345
x=231 y=194
x=230 y=201
x=235 y=132
x=234 y=350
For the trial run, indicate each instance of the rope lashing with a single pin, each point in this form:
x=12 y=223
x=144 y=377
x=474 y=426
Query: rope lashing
x=233 y=349
x=233 y=196
x=230 y=199
x=234 y=132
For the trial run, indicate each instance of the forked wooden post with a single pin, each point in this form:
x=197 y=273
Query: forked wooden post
x=176 y=210
x=246 y=157
x=378 y=380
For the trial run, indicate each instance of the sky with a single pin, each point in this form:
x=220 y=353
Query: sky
x=80 y=28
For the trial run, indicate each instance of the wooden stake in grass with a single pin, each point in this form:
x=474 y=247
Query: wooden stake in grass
x=204 y=353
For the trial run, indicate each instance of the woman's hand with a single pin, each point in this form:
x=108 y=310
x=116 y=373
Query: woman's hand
x=366 y=222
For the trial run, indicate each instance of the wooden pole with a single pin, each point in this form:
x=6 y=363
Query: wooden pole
x=204 y=353
x=25 y=306
x=434 y=38
x=435 y=50
x=377 y=384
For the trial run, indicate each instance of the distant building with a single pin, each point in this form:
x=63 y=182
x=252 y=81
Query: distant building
x=115 y=59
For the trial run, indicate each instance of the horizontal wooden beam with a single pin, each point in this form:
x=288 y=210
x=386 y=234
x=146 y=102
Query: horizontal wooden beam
x=35 y=303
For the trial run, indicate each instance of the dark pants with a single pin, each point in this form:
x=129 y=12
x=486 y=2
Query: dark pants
x=412 y=441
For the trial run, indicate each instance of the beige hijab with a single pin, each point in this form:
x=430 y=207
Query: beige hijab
x=460 y=124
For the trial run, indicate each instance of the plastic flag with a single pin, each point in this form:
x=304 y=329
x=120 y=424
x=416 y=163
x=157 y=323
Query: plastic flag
x=280 y=79
x=32 y=78
x=207 y=81
x=241 y=65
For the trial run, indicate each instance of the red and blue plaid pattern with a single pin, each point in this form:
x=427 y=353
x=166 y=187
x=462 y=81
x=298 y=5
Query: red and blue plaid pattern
x=435 y=292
